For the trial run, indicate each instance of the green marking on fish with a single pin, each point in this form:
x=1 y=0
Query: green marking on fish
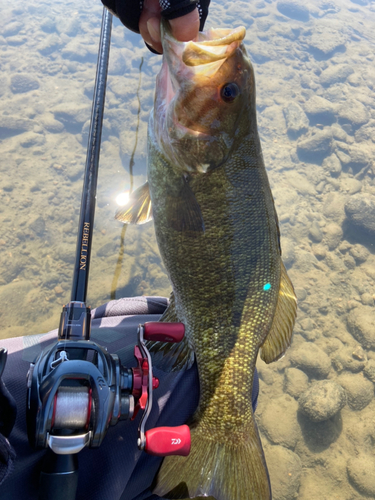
x=218 y=235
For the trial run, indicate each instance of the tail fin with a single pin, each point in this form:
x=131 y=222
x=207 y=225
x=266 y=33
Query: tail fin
x=227 y=470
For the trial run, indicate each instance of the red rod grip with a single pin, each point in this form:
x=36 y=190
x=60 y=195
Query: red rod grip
x=165 y=441
x=164 y=332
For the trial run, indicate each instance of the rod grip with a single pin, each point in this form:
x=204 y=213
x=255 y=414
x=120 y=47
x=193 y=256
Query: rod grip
x=59 y=477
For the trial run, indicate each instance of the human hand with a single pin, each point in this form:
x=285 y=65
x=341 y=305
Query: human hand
x=184 y=28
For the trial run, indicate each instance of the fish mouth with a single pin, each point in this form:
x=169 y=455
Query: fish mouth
x=212 y=46
x=209 y=47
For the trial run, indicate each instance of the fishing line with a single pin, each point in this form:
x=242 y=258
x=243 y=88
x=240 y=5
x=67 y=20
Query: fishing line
x=131 y=165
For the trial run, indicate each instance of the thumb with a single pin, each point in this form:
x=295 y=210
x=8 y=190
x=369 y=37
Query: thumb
x=185 y=28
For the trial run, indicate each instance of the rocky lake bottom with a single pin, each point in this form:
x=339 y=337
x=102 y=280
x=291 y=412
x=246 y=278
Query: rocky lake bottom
x=315 y=77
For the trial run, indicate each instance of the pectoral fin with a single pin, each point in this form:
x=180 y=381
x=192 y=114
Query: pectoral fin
x=138 y=210
x=184 y=212
x=279 y=338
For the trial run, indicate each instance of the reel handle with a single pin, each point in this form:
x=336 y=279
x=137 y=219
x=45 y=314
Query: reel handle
x=164 y=332
x=165 y=441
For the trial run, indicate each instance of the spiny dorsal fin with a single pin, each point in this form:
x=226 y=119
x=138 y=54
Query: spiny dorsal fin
x=279 y=338
x=138 y=210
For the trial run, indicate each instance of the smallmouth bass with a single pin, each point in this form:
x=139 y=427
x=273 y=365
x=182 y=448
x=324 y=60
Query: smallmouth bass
x=218 y=235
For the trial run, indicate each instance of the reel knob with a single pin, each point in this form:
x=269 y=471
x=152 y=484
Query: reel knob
x=165 y=441
x=164 y=332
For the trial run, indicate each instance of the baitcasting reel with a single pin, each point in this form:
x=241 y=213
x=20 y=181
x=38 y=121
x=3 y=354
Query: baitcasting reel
x=76 y=390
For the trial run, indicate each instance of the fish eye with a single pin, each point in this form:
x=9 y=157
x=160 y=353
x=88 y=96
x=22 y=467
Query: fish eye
x=229 y=92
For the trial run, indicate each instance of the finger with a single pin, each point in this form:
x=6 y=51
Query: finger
x=153 y=25
x=151 y=11
x=185 y=28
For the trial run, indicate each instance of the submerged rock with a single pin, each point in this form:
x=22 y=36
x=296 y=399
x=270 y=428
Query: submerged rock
x=11 y=271
x=333 y=165
x=359 y=390
x=50 y=44
x=367 y=299
x=351 y=185
x=72 y=116
x=333 y=206
x=326 y=40
x=48 y=25
x=361 y=325
x=77 y=51
x=279 y=421
x=322 y=400
x=350 y=359
x=294 y=10
x=361 y=473
x=353 y=112
x=360 y=253
x=360 y=212
x=30 y=139
x=13 y=125
x=333 y=235
x=316 y=147
x=296 y=119
x=50 y=124
x=311 y=359
x=369 y=370
x=315 y=232
x=23 y=83
x=335 y=74
x=360 y=156
x=12 y=28
x=38 y=226
x=319 y=251
x=285 y=469
x=366 y=132
x=295 y=382
x=70 y=27
x=320 y=109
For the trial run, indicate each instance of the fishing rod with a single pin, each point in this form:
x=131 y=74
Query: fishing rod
x=76 y=389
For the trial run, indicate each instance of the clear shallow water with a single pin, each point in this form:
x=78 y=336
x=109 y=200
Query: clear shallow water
x=315 y=78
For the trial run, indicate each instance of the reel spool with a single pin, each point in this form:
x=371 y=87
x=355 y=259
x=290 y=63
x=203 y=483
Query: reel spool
x=72 y=408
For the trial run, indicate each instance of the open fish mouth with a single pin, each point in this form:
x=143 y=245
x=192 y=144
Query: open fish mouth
x=199 y=58
x=210 y=46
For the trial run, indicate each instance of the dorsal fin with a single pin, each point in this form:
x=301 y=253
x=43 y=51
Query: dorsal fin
x=279 y=338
